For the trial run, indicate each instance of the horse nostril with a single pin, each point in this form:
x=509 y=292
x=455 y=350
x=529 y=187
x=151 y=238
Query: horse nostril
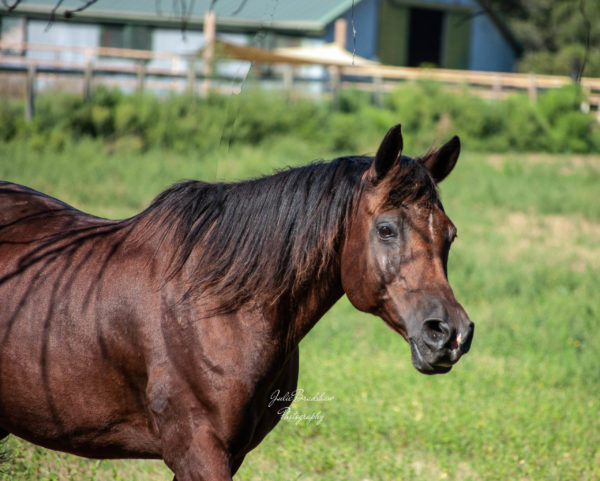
x=465 y=344
x=436 y=333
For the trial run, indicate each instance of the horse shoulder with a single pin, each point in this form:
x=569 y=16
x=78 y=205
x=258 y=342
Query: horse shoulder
x=222 y=371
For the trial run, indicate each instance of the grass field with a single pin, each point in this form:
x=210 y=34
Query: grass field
x=524 y=404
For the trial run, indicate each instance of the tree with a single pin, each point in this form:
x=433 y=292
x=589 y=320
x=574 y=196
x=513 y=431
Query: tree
x=10 y=6
x=558 y=36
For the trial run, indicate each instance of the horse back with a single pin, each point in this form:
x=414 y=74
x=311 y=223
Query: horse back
x=21 y=208
x=37 y=230
x=68 y=325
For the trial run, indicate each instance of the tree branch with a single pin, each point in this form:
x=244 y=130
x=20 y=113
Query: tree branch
x=186 y=13
x=69 y=13
x=588 y=38
x=53 y=15
x=11 y=7
x=240 y=7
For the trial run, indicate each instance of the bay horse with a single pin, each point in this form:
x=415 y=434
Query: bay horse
x=164 y=335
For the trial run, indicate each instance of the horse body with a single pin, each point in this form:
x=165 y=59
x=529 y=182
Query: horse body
x=165 y=335
x=62 y=345
x=113 y=345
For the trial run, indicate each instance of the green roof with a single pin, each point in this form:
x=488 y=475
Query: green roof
x=309 y=15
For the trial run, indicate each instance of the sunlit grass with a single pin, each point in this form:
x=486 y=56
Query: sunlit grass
x=523 y=404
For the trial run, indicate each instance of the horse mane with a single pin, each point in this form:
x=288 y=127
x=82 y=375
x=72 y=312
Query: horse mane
x=263 y=238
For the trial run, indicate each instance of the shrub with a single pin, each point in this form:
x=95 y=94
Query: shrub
x=11 y=114
x=429 y=113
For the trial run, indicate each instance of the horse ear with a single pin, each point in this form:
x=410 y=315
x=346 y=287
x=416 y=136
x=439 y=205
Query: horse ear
x=388 y=153
x=440 y=162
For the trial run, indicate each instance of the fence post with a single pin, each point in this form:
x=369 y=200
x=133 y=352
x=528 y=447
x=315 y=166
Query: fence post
x=340 y=32
x=497 y=87
x=141 y=76
x=335 y=83
x=288 y=78
x=30 y=92
x=210 y=30
x=378 y=91
x=191 y=76
x=87 y=75
x=532 y=88
x=340 y=29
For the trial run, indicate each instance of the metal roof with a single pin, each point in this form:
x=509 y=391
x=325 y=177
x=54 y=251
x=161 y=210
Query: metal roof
x=308 y=15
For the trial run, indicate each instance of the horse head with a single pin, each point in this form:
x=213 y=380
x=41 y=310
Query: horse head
x=394 y=258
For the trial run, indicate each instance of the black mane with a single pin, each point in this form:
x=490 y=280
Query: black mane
x=267 y=236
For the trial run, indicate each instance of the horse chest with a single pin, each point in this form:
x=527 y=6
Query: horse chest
x=268 y=406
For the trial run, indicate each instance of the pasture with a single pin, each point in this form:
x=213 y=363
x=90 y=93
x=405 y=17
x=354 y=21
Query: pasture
x=523 y=404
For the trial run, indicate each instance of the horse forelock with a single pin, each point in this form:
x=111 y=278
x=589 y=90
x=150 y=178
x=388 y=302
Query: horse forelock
x=409 y=182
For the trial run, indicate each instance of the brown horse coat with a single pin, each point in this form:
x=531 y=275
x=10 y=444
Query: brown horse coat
x=165 y=335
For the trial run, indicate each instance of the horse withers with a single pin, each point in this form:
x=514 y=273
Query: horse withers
x=164 y=335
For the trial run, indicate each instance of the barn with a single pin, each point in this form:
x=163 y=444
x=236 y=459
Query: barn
x=445 y=33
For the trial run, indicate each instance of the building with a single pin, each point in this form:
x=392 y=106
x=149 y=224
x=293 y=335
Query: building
x=444 y=33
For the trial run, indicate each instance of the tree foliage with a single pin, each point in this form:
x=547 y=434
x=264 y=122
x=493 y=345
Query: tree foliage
x=558 y=36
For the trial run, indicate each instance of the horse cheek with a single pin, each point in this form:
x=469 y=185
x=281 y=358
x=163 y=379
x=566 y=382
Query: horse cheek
x=358 y=275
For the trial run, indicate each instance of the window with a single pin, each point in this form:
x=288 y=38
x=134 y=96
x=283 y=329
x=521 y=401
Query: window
x=126 y=36
x=13 y=30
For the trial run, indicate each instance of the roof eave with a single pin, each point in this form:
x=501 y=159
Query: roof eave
x=307 y=27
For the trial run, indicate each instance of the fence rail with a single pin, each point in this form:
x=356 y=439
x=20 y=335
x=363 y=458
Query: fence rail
x=171 y=71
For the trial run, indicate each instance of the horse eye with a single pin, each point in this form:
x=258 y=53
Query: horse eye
x=385 y=231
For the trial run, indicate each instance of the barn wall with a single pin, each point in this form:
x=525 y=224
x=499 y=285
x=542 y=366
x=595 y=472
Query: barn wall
x=478 y=46
x=366 y=20
x=62 y=34
x=489 y=48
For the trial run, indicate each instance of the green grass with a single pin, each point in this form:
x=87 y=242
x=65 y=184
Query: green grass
x=523 y=404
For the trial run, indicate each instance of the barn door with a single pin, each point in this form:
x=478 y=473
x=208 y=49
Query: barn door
x=393 y=33
x=414 y=36
x=457 y=39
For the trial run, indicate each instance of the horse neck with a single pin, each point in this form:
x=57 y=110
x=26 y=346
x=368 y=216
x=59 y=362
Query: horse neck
x=290 y=271
x=299 y=312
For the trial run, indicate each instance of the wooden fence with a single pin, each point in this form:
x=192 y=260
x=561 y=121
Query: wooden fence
x=142 y=69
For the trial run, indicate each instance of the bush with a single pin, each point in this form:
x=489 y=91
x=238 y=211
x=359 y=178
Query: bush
x=429 y=113
x=10 y=119
x=564 y=62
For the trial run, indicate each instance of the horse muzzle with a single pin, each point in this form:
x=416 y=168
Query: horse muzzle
x=439 y=346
